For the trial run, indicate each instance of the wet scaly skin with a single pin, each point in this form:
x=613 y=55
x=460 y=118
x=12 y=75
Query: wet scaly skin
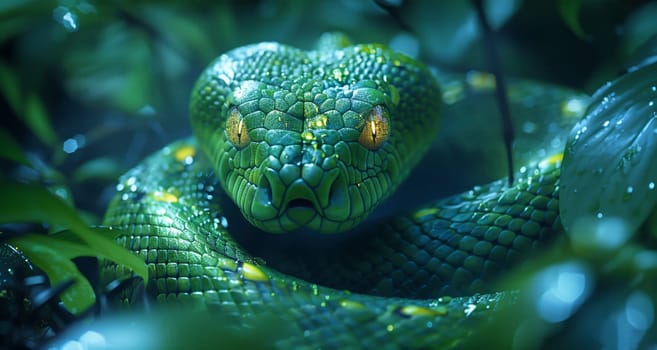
x=316 y=140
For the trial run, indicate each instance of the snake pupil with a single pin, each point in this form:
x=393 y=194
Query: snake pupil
x=373 y=126
x=239 y=131
x=236 y=129
x=376 y=130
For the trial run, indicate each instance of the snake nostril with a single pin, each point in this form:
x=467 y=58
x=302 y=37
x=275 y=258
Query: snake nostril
x=263 y=192
x=266 y=185
x=337 y=194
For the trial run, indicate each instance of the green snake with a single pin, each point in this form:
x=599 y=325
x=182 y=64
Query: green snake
x=306 y=144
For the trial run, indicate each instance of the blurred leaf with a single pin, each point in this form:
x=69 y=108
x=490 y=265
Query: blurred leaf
x=31 y=203
x=14 y=6
x=37 y=119
x=11 y=27
x=543 y=114
x=10 y=149
x=53 y=256
x=639 y=27
x=644 y=54
x=103 y=168
x=182 y=33
x=447 y=29
x=569 y=10
x=29 y=109
x=107 y=75
x=609 y=167
x=173 y=328
x=10 y=87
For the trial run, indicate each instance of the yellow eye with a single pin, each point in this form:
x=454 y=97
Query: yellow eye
x=376 y=129
x=236 y=129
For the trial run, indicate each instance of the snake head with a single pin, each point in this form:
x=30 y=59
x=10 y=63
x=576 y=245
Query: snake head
x=313 y=139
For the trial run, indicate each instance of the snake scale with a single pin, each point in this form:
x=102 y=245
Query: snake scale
x=313 y=142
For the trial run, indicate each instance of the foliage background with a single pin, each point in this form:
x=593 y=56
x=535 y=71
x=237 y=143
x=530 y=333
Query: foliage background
x=89 y=88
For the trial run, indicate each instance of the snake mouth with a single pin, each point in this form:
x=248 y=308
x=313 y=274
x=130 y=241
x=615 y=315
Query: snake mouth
x=280 y=207
x=300 y=203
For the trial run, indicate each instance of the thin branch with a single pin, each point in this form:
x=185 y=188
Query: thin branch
x=500 y=84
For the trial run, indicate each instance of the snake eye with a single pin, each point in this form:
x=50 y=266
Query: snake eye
x=236 y=129
x=376 y=130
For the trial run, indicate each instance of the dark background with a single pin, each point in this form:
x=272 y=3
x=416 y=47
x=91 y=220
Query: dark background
x=114 y=79
x=88 y=89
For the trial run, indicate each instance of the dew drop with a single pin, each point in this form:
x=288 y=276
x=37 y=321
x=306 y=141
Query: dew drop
x=74 y=143
x=599 y=215
x=605 y=124
x=630 y=189
x=651 y=185
x=529 y=127
x=66 y=18
x=574 y=107
x=131 y=181
x=556 y=143
x=147 y=111
x=469 y=309
x=70 y=146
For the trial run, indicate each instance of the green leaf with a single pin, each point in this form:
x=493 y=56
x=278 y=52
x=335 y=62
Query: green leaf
x=10 y=149
x=541 y=126
x=103 y=168
x=53 y=256
x=29 y=108
x=440 y=25
x=10 y=87
x=569 y=10
x=106 y=75
x=609 y=167
x=31 y=203
x=37 y=119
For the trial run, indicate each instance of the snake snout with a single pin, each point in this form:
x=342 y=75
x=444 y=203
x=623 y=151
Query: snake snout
x=309 y=199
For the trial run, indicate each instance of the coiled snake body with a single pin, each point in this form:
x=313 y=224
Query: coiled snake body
x=312 y=142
